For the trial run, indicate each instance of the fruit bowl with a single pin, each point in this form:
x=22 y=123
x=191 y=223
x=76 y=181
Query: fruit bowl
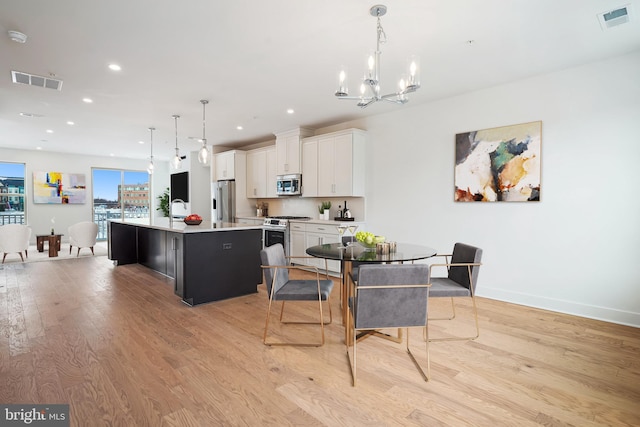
x=368 y=240
x=192 y=221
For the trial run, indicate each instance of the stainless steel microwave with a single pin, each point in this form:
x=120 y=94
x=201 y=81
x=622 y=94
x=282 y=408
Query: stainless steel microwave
x=289 y=185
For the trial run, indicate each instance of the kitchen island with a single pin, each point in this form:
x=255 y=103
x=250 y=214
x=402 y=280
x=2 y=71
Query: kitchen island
x=209 y=262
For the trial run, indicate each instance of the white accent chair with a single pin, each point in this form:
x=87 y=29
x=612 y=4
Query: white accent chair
x=83 y=235
x=14 y=238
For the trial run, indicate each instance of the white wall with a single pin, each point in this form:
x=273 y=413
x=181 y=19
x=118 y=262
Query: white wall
x=38 y=216
x=578 y=249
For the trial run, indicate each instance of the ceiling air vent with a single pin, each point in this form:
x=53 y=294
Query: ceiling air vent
x=615 y=17
x=34 y=80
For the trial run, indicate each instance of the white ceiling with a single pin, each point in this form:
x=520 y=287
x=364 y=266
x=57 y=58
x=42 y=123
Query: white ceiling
x=254 y=59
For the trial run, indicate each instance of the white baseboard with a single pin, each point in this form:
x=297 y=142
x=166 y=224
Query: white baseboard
x=562 y=306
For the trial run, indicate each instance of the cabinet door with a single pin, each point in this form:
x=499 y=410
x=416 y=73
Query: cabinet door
x=256 y=174
x=298 y=246
x=326 y=167
x=288 y=154
x=343 y=171
x=272 y=172
x=310 y=167
x=225 y=166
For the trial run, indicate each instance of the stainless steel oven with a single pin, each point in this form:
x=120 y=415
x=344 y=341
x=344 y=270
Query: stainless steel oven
x=276 y=230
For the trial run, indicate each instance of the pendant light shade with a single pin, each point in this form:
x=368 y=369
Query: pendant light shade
x=177 y=161
x=150 y=167
x=203 y=154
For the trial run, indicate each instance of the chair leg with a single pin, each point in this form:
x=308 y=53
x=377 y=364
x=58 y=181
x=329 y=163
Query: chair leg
x=470 y=338
x=92 y=253
x=21 y=257
x=426 y=376
x=26 y=253
x=70 y=247
x=3 y=257
x=352 y=364
x=78 y=253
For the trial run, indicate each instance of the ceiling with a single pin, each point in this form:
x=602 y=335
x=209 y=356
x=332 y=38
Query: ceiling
x=255 y=59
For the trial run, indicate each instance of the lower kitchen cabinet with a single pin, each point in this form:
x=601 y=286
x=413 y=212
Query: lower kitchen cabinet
x=304 y=235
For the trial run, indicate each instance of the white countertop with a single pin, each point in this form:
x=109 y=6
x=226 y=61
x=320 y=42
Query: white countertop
x=312 y=220
x=179 y=226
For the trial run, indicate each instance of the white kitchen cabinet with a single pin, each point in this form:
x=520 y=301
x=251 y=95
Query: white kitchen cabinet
x=310 y=167
x=288 y=150
x=261 y=173
x=298 y=242
x=256 y=173
x=226 y=164
x=272 y=172
x=304 y=235
x=339 y=169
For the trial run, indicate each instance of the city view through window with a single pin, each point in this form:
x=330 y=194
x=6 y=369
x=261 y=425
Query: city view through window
x=116 y=194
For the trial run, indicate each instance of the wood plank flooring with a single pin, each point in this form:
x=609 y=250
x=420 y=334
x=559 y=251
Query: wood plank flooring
x=118 y=346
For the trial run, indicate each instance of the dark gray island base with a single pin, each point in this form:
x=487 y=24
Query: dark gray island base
x=208 y=264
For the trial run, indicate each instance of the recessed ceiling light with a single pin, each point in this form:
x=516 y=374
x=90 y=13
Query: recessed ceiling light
x=49 y=131
x=290 y=111
x=115 y=67
x=38 y=148
x=87 y=100
x=140 y=142
x=17 y=36
x=111 y=154
x=239 y=127
x=70 y=123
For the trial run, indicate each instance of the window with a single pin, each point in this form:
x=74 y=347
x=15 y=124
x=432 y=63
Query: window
x=12 y=193
x=119 y=194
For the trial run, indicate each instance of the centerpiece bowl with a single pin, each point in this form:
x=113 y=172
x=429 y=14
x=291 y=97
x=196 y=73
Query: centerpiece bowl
x=192 y=221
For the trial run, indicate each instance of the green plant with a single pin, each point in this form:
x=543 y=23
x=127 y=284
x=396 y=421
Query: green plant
x=164 y=203
x=324 y=206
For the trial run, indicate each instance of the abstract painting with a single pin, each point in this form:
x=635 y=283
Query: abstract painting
x=499 y=164
x=59 y=188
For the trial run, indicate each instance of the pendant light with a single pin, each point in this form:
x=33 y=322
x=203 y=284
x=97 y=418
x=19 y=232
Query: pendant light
x=203 y=154
x=177 y=161
x=150 y=167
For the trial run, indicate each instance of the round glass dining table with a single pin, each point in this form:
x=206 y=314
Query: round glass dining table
x=354 y=252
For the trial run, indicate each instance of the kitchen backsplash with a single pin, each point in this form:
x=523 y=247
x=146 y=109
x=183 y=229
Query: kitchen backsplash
x=304 y=206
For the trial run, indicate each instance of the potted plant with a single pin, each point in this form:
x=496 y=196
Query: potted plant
x=164 y=203
x=326 y=205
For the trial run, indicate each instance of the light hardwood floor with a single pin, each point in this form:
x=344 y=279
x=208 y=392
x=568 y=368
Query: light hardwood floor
x=119 y=347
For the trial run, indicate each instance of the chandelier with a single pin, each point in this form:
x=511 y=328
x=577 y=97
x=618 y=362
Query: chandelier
x=203 y=154
x=177 y=160
x=150 y=167
x=370 y=86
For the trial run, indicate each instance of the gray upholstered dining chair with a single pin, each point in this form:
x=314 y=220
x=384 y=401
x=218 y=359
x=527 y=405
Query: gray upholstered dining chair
x=389 y=296
x=280 y=287
x=461 y=281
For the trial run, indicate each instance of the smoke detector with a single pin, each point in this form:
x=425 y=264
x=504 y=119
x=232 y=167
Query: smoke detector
x=613 y=18
x=17 y=36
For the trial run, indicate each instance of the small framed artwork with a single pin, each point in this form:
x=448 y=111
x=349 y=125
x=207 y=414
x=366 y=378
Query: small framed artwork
x=59 y=188
x=499 y=164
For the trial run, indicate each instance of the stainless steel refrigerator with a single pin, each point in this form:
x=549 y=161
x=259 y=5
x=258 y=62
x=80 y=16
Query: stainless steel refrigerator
x=224 y=201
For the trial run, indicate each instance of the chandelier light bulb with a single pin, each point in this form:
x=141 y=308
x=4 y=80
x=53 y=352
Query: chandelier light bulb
x=203 y=155
x=150 y=167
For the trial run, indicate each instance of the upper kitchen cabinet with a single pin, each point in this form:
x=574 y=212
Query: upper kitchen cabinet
x=288 y=150
x=339 y=166
x=261 y=172
x=226 y=164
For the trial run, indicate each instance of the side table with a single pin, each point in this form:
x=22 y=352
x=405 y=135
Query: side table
x=54 y=243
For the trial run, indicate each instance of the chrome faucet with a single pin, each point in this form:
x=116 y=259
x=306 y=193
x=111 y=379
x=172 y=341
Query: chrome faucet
x=171 y=209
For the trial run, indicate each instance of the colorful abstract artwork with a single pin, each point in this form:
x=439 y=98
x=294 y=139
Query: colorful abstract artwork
x=59 y=188
x=499 y=165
